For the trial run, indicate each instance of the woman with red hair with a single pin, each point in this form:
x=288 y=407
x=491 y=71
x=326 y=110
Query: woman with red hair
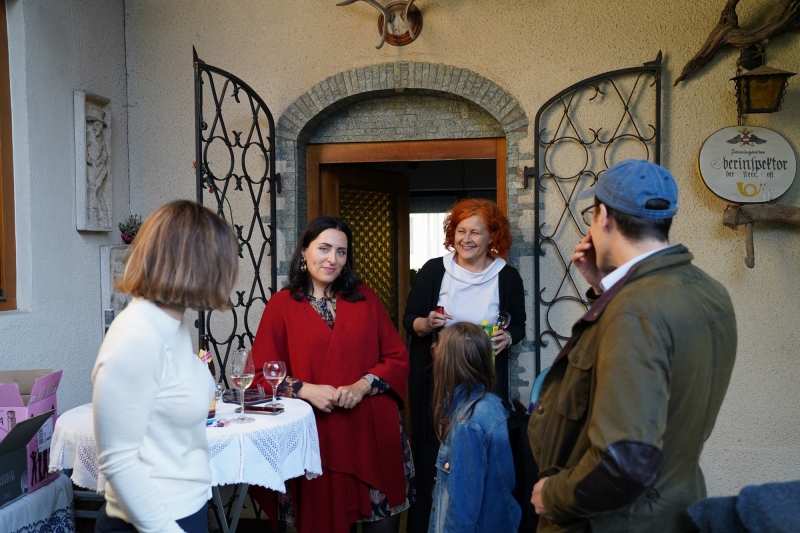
x=470 y=284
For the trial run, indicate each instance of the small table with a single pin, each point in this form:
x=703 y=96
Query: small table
x=47 y=509
x=266 y=452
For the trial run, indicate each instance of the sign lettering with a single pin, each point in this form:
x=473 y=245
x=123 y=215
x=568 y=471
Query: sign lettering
x=747 y=164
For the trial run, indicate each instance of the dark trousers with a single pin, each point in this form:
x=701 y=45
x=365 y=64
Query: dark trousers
x=425 y=453
x=195 y=523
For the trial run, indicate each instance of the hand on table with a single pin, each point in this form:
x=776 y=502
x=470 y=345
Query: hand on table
x=348 y=396
x=585 y=260
x=320 y=396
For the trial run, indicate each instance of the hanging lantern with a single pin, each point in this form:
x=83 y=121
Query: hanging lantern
x=761 y=90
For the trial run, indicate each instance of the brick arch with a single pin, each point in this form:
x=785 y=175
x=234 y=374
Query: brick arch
x=341 y=90
x=297 y=124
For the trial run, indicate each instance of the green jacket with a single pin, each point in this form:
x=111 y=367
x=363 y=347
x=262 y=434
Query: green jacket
x=631 y=399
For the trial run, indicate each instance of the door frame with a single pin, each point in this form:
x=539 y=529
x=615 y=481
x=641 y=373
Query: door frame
x=391 y=151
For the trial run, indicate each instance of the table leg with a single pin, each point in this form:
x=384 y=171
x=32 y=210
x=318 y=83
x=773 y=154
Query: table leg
x=237 y=508
x=220 y=509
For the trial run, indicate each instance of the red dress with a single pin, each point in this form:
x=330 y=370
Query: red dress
x=360 y=447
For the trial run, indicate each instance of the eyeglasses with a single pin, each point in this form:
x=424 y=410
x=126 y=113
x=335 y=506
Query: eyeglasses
x=587 y=214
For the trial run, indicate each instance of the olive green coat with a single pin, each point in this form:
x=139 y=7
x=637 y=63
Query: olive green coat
x=632 y=398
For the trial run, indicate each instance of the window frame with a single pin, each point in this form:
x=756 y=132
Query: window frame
x=8 y=258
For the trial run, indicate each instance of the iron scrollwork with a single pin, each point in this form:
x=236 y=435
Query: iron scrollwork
x=571 y=152
x=235 y=168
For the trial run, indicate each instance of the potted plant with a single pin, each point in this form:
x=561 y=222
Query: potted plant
x=130 y=228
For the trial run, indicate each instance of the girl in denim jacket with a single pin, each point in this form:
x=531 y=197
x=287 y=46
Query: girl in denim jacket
x=475 y=470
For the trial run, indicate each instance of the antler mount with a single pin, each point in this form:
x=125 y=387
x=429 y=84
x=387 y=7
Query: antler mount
x=399 y=23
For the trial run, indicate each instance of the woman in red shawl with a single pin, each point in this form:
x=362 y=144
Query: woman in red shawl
x=344 y=357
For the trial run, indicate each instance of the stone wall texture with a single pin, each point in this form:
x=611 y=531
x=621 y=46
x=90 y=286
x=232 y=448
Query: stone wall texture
x=403 y=117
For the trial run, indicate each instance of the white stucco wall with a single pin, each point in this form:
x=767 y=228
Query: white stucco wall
x=532 y=50
x=55 y=48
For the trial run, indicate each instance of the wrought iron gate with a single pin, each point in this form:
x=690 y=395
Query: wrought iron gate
x=235 y=170
x=578 y=134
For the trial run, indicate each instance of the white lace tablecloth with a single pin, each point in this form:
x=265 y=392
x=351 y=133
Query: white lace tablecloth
x=266 y=452
x=45 y=510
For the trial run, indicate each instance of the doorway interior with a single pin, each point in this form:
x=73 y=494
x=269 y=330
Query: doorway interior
x=394 y=196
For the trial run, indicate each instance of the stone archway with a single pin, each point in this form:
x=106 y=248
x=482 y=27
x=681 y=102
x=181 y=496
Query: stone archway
x=427 y=81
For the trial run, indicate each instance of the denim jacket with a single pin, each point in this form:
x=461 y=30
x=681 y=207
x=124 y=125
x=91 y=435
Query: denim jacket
x=475 y=471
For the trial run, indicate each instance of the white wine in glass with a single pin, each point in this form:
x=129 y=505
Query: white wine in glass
x=274 y=372
x=242 y=373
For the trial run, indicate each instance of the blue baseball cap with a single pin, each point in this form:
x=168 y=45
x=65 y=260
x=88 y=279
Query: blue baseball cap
x=628 y=185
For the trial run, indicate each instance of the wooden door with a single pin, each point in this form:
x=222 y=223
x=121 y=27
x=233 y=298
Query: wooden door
x=374 y=203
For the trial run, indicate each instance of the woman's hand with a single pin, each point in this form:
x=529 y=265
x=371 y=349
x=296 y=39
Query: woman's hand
x=425 y=325
x=351 y=395
x=320 y=396
x=501 y=340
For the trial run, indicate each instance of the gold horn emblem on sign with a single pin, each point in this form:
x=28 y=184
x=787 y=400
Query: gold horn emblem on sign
x=748 y=189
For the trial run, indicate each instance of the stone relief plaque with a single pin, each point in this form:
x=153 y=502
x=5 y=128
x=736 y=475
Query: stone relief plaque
x=92 y=162
x=112 y=265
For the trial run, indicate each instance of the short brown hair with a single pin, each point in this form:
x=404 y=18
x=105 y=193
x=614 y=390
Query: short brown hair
x=463 y=355
x=184 y=255
x=494 y=220
x=637 y=229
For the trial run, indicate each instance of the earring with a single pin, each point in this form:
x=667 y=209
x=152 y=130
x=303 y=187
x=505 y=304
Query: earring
x=303 y=265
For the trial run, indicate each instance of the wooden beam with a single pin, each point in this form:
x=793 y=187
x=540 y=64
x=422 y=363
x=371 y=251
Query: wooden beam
x=736 y=215
x=435 y=150
x=747 y=215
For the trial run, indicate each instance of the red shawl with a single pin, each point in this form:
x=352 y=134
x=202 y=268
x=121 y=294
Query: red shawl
x=360 y=447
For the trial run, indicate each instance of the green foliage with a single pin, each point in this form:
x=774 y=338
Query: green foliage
x=130 y=228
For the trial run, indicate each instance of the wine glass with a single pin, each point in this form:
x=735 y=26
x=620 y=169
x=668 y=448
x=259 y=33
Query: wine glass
x=502 y=319
x=274 y=372
x=242 y=373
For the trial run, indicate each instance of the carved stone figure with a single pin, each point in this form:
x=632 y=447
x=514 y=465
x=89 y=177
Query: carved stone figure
x=97 y=212
x=93 y=162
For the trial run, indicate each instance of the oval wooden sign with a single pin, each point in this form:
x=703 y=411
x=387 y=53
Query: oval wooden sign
x=747 y=164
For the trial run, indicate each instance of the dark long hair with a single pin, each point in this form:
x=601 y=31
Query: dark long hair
x=346 y=284
x=463 y=354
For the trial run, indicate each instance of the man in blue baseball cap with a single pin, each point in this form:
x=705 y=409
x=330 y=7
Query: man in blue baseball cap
x=619 y=427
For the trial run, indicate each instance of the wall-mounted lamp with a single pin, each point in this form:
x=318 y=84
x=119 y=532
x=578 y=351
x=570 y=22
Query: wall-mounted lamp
x=761 y=90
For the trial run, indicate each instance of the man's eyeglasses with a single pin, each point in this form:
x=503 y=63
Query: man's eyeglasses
x=587 y=214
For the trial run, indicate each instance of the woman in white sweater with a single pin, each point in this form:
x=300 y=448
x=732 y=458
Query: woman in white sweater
x=151 y=391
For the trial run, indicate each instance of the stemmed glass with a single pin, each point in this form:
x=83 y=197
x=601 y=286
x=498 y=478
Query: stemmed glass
x=502 y=319
x=242 y=373
x=274 y=372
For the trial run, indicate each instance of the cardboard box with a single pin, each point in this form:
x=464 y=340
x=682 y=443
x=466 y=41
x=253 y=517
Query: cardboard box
x=25 y=394
x=14 y=457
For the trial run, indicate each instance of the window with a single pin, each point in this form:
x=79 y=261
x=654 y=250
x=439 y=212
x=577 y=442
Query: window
x=8 y=270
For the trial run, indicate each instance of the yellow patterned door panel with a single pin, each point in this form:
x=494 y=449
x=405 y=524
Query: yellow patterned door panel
x=375 y=205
